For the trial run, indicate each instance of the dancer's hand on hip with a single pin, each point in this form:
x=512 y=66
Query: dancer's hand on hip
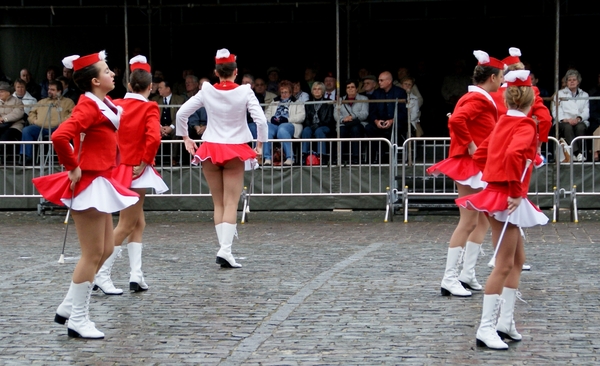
x=513 y=203
x=190 y=145
x=74 y=177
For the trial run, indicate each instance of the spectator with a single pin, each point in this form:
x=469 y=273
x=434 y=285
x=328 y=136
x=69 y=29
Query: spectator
x=249 y=79
x=299 y=94
x=51 y=74
x=318 y=122
x=382 y=114
x=403 y=73
x=573 y=115
x=273 y=79
x=456 y=84
x=11 y=118
x=22 y=93
x=369 y=85
x=362 y=74
x=32 y=87
x=45 y=118
x=310 y=75
x=180 y=87
x=330 y=87
x=191 y=86
x=350 y=117
x=67 y=92
x=285 y=116
x=154 y=95
x=260 y=90
x=595 y=119
x=534 y=82
x=167 y=120
x=412 y=104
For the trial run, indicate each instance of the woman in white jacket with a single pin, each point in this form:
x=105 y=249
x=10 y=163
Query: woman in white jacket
x=573 y=114
x=285 y=116
x=350 y=117
x=225 y=147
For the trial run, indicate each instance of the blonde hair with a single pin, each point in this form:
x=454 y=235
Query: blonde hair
x=518 y=66
x=519 y=97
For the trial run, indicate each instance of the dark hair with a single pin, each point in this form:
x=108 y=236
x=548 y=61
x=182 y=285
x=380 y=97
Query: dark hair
x=482 y=73
x=83 y=77
x=226 y=70
x=351 y=81
x=57 y=83
x=20 y=81
x=140 y=80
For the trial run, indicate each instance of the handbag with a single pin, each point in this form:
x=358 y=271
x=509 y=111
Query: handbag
x=355 y=121
x=312 y=159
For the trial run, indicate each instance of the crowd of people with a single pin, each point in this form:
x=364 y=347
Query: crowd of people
x=322 y=116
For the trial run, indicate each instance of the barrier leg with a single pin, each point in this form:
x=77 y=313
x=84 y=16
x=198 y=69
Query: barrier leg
x=574 y=217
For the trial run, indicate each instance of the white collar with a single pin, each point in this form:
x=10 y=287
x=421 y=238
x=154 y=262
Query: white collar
x=135 y=96
x=107 y=108
x=515 y=113
x=476 y=89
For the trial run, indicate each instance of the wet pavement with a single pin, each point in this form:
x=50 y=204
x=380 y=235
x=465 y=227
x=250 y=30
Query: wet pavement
x=316 y=288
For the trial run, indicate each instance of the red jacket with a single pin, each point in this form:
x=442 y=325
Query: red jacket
x=473 y=119
x=139 y=132
x=513 y=141
x=99 y=149
x=538 y=109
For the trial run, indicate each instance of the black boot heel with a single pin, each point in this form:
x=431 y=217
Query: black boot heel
x=480 y=343
x=60 y=319
x=135 y=287
x=223 y=262
x=445 y=292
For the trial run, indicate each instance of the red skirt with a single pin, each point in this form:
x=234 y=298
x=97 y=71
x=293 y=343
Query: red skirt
x=95 y=189
x=493 y=200
x=462 y=169
x=220 y=154
x=149 y=178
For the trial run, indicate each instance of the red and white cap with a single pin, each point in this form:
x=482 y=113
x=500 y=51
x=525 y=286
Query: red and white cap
x=485 y=60
x=518 y=78
x=139 y=62
x=76 y=62
x=514 y=56
x=224 y=56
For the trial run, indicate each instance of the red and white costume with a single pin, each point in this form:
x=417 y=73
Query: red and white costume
x=139 y=139
x=513 y=141
x=227 y=132
x=473 y=119
x=99 y=121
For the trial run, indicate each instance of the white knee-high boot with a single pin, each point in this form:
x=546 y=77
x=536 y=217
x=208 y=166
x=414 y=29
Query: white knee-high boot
x=506 y=323
x=136 y=276
x=224 y=256
x=80 y=325
x=102 y=280
x=63 y=312
x=467 y=275
x=450 y=284
x=486 y=334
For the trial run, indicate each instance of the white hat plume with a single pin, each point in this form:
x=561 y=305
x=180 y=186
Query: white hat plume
x=481 y=56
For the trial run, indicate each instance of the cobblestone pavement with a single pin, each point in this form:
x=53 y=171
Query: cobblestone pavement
x=316 y=288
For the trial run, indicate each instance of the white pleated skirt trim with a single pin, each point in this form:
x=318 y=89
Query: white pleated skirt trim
x=526 y=215
x=150 y=179
x=102 y=196
x=474 y=182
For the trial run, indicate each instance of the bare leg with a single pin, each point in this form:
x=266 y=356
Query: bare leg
x=95 y=232
x=468 y=222
x=508 y=254
x=129 y=217
x=226 y=184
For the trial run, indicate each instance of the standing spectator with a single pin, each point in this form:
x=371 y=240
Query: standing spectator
x=51 y=74
x=273 y=79
x=573 y=115
x=350 y=117
x=402 y=74
x=382 y=114
x=285 y=116
x=68 y=92
x=45 y=117
x=191 y=86
x=310 y=75
x=594 y=128
x=535 y=82
x=32 y=87
x=362 y=74
x=318 y=122
x=456 y=84
x=412 y=104
x=22 y=93
x=330 y=87
x=11 y=118
x=167 y=121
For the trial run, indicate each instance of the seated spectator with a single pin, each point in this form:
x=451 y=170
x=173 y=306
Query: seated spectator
x=45 y=118
x=403 y=73
x=350 y=118
x=191 y=86
x=369 y=85
x=197 y=124
x=273 y=80
x=32 y=87
x=573 y=115
x=300 y=95
x=318 y=123
x=412 y=104
x=260 y=90
x=51 y=73
x=594 y=127
x=68 y=91
x=11 y=118
x=382 y=114
x=330 y=87
x=285 y=116
x=154 y=95
x=22 y=93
